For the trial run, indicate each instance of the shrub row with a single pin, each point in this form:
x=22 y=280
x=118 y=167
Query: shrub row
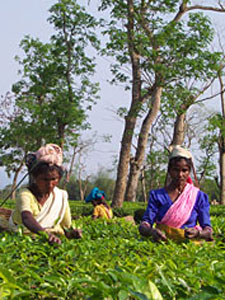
x=112 y=261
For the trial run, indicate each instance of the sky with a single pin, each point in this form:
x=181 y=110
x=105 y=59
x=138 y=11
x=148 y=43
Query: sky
x=29 y=17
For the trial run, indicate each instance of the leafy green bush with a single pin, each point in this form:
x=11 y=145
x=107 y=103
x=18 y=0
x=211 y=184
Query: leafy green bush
x=79 y=208
x=111 y=261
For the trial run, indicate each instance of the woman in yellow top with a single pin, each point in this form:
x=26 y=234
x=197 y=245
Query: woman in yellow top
x=42 y=206
x=101 y=208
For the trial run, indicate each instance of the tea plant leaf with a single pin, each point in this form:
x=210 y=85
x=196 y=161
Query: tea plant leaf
x=165 y=280
x=138 y=296
x=154 y=292
x=7 y=277
x=122 y=295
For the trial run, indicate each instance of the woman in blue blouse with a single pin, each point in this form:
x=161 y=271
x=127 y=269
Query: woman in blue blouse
x=179 y=210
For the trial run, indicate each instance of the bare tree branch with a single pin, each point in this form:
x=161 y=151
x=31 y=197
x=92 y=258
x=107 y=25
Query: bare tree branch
x=211 y=97
x=184 y=8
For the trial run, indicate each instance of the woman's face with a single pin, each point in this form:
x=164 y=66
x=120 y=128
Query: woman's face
x=46 y=182
x=179 y=171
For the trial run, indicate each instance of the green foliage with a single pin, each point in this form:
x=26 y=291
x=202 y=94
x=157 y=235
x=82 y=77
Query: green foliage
x=79 y=209
x=55 y=91
x=16 y=136
x=155 y=169
x=209 y=146
x=103 y=179
x=72 y=188
x=111 y=261
x=210 y=187
x=172 y=50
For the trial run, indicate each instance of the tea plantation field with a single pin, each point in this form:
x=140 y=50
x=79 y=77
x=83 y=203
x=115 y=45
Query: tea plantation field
x=112 y=261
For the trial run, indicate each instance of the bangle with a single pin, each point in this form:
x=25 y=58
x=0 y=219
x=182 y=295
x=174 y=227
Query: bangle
x=145 y=223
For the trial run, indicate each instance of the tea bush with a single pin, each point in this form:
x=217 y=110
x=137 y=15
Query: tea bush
x=112 y=261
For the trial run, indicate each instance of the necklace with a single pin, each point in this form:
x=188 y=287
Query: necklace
x=180 y=191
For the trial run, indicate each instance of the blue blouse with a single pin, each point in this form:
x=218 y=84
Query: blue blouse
x=159 y=203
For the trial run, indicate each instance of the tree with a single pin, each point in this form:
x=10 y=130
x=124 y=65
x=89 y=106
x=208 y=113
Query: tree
x=55 y=92
x=16 y=139
x=161 y=49
x=104 y=181
x=78 y=147
x=222 y=140
x=55 y=89
x=216 y=139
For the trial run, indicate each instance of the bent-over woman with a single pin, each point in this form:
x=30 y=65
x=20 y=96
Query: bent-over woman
x=180 y=210
x=101 y=208
x=42 y=206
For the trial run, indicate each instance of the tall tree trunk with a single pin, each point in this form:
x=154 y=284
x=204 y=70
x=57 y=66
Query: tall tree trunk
x=179 y=130
x=143 y=187
x=81 y=190
x=131 y=118
x=222 y=174
x=68 y=173
x=123 y=165
x=222 y=144
x=137 y=163
x=61 y=133
x=178 y=134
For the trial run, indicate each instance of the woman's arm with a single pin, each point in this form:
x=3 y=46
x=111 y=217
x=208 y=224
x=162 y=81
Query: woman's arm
x=204 y=218
x=151 y=210
x=203 y=207
x=30 y=222
x=146 y=226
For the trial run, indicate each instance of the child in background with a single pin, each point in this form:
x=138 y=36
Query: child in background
x=101 y=208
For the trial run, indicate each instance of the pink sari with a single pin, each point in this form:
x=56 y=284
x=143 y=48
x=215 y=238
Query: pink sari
x=180 y=211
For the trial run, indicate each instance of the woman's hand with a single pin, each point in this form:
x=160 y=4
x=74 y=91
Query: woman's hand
x=191 y=233
x=158 y=235
x=145 y=229
x=53 y=239
x=73 y=233
x=207 y=234
x=30 y=222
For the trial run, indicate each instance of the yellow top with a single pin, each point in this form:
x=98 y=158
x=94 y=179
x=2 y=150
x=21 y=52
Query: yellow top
x=28 y=202
x=100 y=211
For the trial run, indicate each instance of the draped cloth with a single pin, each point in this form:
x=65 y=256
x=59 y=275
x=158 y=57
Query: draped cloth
x=53 y=210
x=180 y=211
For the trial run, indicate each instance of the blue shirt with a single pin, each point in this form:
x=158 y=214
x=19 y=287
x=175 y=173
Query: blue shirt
x=159 y=203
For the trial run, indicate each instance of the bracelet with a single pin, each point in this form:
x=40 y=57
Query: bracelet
x=145 y=223
x=209 y=229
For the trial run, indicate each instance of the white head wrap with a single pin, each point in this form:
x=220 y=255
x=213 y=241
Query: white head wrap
x=178 y=151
